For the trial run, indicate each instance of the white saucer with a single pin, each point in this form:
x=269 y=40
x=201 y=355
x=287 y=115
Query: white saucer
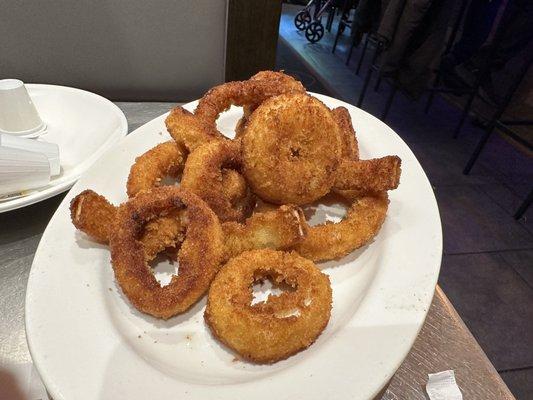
x=83 y=124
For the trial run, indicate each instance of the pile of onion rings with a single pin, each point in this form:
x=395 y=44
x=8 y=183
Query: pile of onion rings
x=235 y=218
x=277 y=228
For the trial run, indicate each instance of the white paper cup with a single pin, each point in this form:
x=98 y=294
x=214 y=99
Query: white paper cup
x=18 y=115
x=22 y=170
x=50 y=150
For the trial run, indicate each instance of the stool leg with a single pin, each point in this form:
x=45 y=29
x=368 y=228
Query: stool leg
x=465 y=113
x=365 y=86
x=524 y=206
x=429 y=102
x=378 y=83
x=389 y=102
x=363 y=52
x=331 y=15
x=436 y=83
x=350 y=52
x=369 y=73
x=337 y=37
x=495 y=118
x=481 y=144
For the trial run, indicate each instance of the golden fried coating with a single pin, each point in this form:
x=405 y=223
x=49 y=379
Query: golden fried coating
x=165 y=159
x=199 y=256
x=372 y=176
x=350 y=149
x=291 y=148
x=274 y=78
x=93 y=215
x=279 y=78
x=237 y=204
x=244 y=93
x=189 y=131
x=164 y=234
x=234 y=187
x=283 y=325
x=204 y=174
x=331 y=240
x=241 y=123
x=277 y=229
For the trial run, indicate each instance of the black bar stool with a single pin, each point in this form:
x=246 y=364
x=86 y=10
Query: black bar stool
x=504 y=127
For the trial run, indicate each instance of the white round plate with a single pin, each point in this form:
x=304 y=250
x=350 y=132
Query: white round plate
x=88 y=342
x=83 y=124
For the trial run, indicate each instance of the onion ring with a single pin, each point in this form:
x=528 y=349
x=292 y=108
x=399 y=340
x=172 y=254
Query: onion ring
x=165 y=159
x=331 y=240
x=168 y=159
x=291 y=148
x=350 y=149
x=355 y=177
x=364 y=218
x=243 y=93
x=199 y=256
x=277 y=229
x=369 y=176
x=280 y=228
x=190 y=131
x=94 y=215
x=270 y=331
x=204 y=174
x=275 y=78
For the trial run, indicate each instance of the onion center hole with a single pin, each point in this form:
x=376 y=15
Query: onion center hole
x=227 y=121
x=168 y=180
x=331 y=207
x=264 y=288
x=164 y=268
x=295 y=153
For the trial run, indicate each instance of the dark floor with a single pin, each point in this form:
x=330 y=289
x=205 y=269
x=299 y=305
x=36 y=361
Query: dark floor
x=487 y=269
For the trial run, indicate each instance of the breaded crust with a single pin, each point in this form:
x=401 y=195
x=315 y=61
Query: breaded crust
x=165 y=159
x=350 y=148
x=277 y=229
x=199 y=256
x=283 y=325
x=276 y=78
x=331 y=240
x=291 y=148
x=212 y=171
x=92 y=214
x=244 y=93
x=188 y=130
x=375 y=175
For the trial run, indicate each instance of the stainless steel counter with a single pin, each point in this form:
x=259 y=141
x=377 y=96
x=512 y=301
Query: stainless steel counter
x=444 y=342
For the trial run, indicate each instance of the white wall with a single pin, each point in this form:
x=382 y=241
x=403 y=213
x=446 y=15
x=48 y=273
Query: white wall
x=127 y=49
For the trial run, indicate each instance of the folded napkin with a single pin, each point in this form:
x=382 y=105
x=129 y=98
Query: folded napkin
x=442 y=386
